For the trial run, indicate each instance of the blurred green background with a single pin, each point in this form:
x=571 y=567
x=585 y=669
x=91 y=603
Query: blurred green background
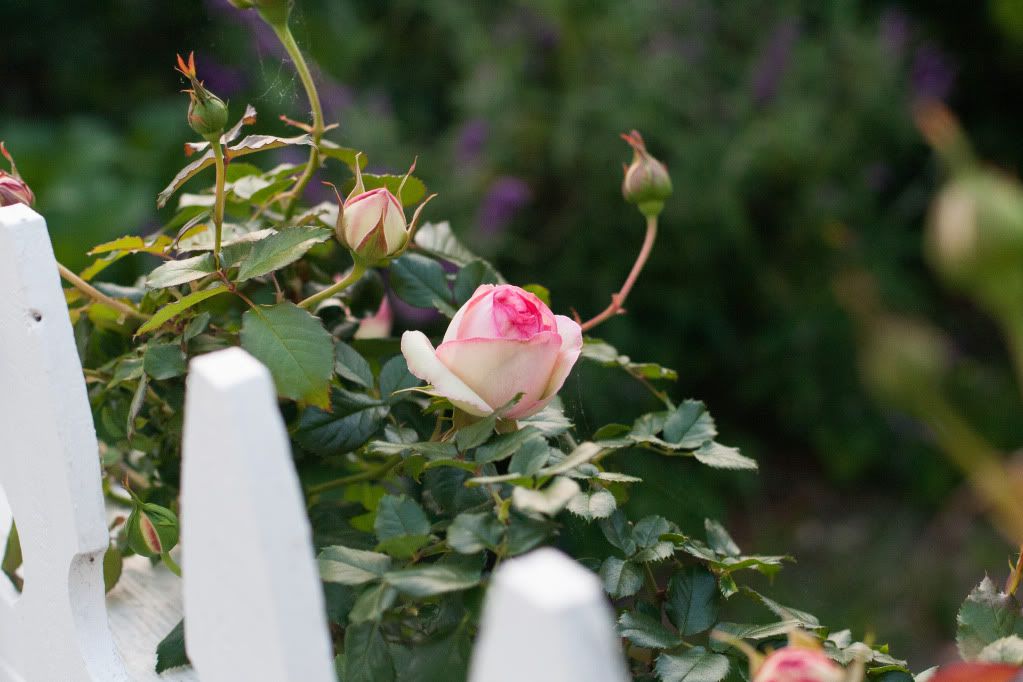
x=787 y=128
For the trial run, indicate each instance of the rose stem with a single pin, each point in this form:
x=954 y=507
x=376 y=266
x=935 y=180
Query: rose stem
x=97 y=295
x=618 y=299
x=288 y=41
x=218 y=206
x=353 y=276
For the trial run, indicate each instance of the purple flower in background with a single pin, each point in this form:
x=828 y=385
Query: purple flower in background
x=893 y=31
x=878 y=176
x=932 y=74
x=506 y=197
x=222 y=79
x=471 y=138
x=262 y=35
x=770 y=67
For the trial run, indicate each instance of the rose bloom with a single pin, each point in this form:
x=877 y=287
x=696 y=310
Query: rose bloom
x=799 y=664
x=504 y=341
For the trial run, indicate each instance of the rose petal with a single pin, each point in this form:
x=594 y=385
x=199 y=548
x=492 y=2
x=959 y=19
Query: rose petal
x=498 y=369
x=423 y=362
x=473 y=319
x=571 y=346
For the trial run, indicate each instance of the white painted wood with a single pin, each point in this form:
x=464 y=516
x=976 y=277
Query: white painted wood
x=546 y=619
x=57 y=629
x=254 y=606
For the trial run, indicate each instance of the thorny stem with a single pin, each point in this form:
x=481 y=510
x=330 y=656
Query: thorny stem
x=357 y=271
x=97 y=295
x=618 y=299
x=367 y=475
x=218 y=206
x=288 y=41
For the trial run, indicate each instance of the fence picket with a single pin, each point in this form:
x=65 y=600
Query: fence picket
x=253 y=603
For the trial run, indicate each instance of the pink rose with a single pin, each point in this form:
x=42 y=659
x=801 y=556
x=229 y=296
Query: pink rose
x=372 y=224
x=504 y=341
x=798 y=664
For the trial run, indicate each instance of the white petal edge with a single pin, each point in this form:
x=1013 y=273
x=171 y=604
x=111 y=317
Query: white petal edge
x=422 y=362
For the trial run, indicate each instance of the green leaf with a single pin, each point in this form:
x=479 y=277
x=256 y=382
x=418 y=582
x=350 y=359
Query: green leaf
x=548 y=501
x=171 y=310
x=723 y=457
x=175 y=272
x=649 y=530
x=250 y=144
x=550 y=421
x=596 y=505
x=372 y=602
x=353 y=419
x=183 y=176
x=13 y=557
x=647 y=632
x=530 y=457
x=430 y=449
x=427 y=581
x=693 y=600
x=1005 y=650
x=344 y=154
x=367 y=657
x=170 y=653
x=351 y=365
x=438 y=240
x=525 y=533
x=582 y=454
x=471 y=276
x=690 y=425
x=808 y=620
x=695 y=665
x=505 y=445
x=621 y=578
x=619 y=533
x=394 y=376
x=476 y=433
x=754 y=632
x=411 y=194
x=295 y=347
x=719 y=539
x=607 y=355
x=420 y=281
x=440 y=660
x=987 y=615
x=401 y=525
x=540 y=291
x=280 y=249
x=164 y=361
x=349 y=566
x=472 y=533
x=113 y=565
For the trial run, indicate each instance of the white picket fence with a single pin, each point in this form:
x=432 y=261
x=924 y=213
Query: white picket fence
x=250 y=595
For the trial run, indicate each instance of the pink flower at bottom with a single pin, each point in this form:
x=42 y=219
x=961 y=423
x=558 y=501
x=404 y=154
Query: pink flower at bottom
x=799 y=664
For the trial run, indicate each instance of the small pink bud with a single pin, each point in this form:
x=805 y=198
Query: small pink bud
x=13 y=190
x=799 y=664
x=372 y=225
x=377 y=326
x=646 y=182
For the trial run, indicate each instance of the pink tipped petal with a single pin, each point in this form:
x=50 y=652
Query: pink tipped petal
x=571 y=346
x=498 y=369
x=473 y=316
x=423 y=362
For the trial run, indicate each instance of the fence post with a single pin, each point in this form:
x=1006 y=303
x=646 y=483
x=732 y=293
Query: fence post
x=546 y=619
x=253 y=602
x=56 y=629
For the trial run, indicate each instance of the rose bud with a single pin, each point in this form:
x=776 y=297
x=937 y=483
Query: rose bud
x=207 y=113
x=371 y=223
x=13 y=189
x=378 y=325
x=646 y=183
x=798 y=664
x=502 y=342
x=152 y=530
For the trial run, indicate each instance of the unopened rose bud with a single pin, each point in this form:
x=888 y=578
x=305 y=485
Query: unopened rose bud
x=152 y=530
x=207 y=113
x=378 y=325
x=975 y=237
x=799 y=664
x=646 y=183
x=13 y=190
x=371 y=224
x=903 y=361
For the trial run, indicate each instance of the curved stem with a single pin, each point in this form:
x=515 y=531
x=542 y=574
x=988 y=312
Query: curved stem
x=97 y=295
x=353 y=276
x=618 y=299
x=288 y=41
x=218 y=205
x=368 y=475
